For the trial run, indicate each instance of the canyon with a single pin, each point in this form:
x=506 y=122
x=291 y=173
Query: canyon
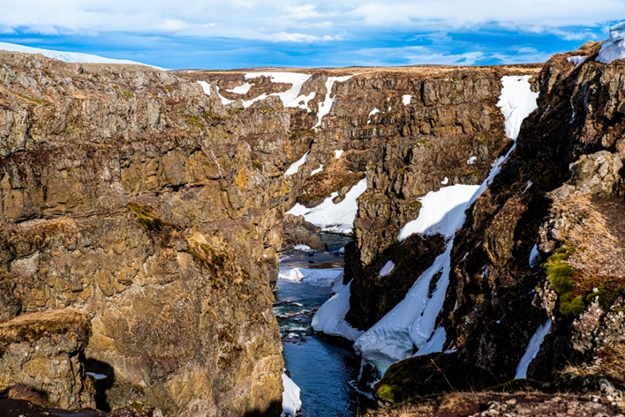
x=143 y=213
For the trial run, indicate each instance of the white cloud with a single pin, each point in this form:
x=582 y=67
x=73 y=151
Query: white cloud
x=302 y=20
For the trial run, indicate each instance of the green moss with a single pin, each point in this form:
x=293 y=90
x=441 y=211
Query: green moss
x=147 y=218
x=561 y=279
x=170 y=88
x=422 y=143
x=129 y=94
x=390 y=393
x=195 y=122
x=415 y=204
x=605 y=295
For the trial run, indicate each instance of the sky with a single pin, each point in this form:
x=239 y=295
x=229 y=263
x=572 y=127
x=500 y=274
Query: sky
x=210 y=34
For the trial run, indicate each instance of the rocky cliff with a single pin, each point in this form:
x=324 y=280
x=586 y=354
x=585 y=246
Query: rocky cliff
x=132 y=196
x=541 y=250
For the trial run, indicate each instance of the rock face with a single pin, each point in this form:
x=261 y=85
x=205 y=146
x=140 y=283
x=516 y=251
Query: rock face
x=560 y=190
x=132 y=196
x=42 y=350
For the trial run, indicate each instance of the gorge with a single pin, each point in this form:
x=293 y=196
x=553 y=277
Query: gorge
x=143 y=214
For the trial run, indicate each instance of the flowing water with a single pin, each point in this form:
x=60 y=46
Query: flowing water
x=325 y=369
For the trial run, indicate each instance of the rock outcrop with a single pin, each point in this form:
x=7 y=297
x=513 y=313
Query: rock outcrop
x=543 y=243
x=131 y=195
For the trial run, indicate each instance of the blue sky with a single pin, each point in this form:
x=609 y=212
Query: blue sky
x=292 y=33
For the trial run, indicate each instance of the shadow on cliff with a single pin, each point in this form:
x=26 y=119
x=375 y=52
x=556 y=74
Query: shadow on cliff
x=102 y=385
x=274 y=410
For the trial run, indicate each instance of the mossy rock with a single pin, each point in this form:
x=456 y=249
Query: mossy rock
x=148 y=219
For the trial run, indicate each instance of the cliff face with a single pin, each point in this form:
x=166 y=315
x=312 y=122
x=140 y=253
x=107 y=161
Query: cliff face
x=541 y=248
x=132 y=196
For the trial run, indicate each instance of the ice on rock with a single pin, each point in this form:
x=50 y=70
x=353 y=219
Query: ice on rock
x=291 y=402
x=532 y=349
x=336 y=218
x=471 y=160
x=325 y=276
x=613 y=47
x=372 y=113
x=330 y=318
x=304 y=248
x=338 y=153
x=406 y=98
x=534 y=255
x=577 y=60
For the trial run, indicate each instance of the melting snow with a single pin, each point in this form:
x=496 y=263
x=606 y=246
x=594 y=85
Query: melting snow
x=406 y=98
x=472 y=160
x=337 y=218
x=295 y=165
x=532 y=349
x=577 y=60
x=242 y=89
x=411 y=323
x=613 y=47
x=291 y=97
x=291 y=402
x=337 y=154
x=318 y=170
x=330 y=318
x=387 y=269
x=75 y=57
x=248 y=103
x=326 y=106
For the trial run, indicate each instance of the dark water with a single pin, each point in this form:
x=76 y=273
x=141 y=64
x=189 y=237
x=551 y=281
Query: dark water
x=324 y=369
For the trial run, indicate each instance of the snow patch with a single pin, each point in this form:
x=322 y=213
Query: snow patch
x=435 y=344
x=387 y=269
x=326 y=106
x=291 y=402
x=318 y=170
x=532 y=349
x=295 y=165
x=527 y=187
x=330 y=318
x=336 y=218
x=337 y=154
x=410 y=323
x=304 y=248
x=516 y=102
x=206 y=87
x=406 y=99
x=242 y=89
x=577 y=60
x=441 y=212
x=372 y=113
x=325 y=276
x=613 y=47
x=73 y=57
x=291 y=97
x=248 y=103
x=224 y=101
x=471 y=160
x=97 y=376
x=445 y=181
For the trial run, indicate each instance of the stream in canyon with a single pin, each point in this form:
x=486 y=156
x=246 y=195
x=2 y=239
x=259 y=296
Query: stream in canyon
x=325 y=369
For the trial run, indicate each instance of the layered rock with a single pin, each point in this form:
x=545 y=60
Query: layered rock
x=131 y=195
x=543 y=243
